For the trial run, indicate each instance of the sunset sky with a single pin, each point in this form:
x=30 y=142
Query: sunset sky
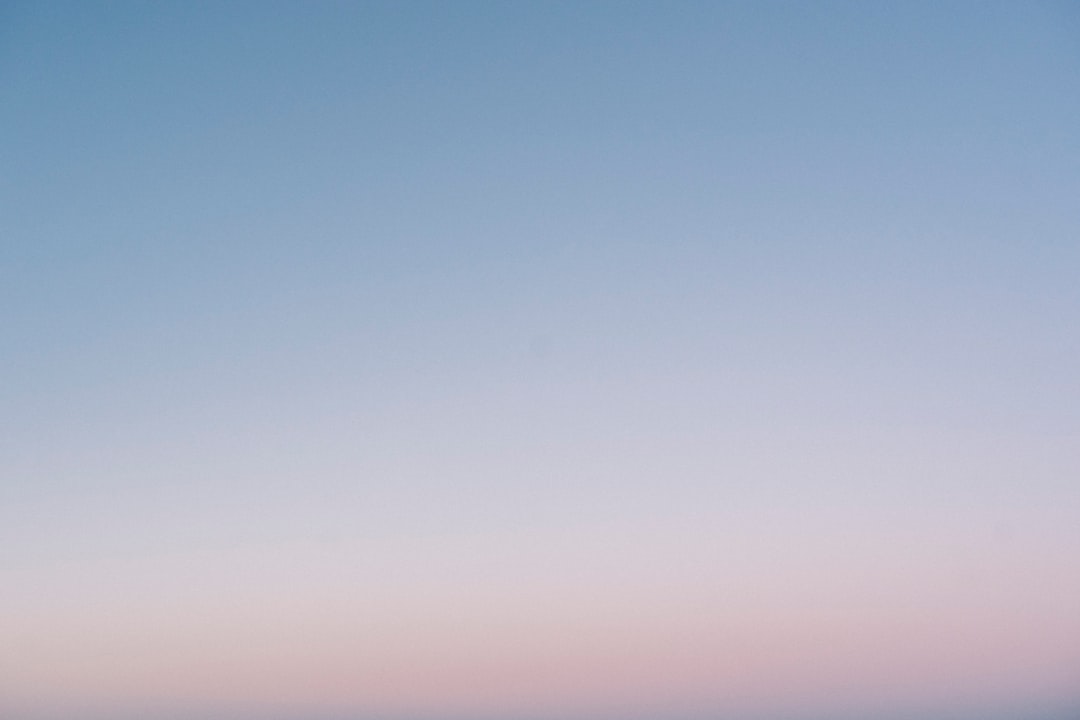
x=539 y=361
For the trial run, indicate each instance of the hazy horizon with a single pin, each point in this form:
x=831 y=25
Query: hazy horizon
x=539 y=361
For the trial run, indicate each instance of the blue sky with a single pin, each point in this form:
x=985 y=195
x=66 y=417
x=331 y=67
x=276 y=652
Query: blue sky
x=613 y=304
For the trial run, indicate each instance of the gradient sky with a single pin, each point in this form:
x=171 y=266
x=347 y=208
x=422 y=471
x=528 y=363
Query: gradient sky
x=534 y=361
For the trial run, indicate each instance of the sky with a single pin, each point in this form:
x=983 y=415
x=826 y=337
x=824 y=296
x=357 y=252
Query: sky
x=539 y=361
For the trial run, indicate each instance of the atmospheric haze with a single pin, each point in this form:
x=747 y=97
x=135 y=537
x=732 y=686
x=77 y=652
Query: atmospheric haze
x=539 y=361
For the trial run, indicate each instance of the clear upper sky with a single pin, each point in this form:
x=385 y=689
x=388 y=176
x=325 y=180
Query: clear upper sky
x=532 y=361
